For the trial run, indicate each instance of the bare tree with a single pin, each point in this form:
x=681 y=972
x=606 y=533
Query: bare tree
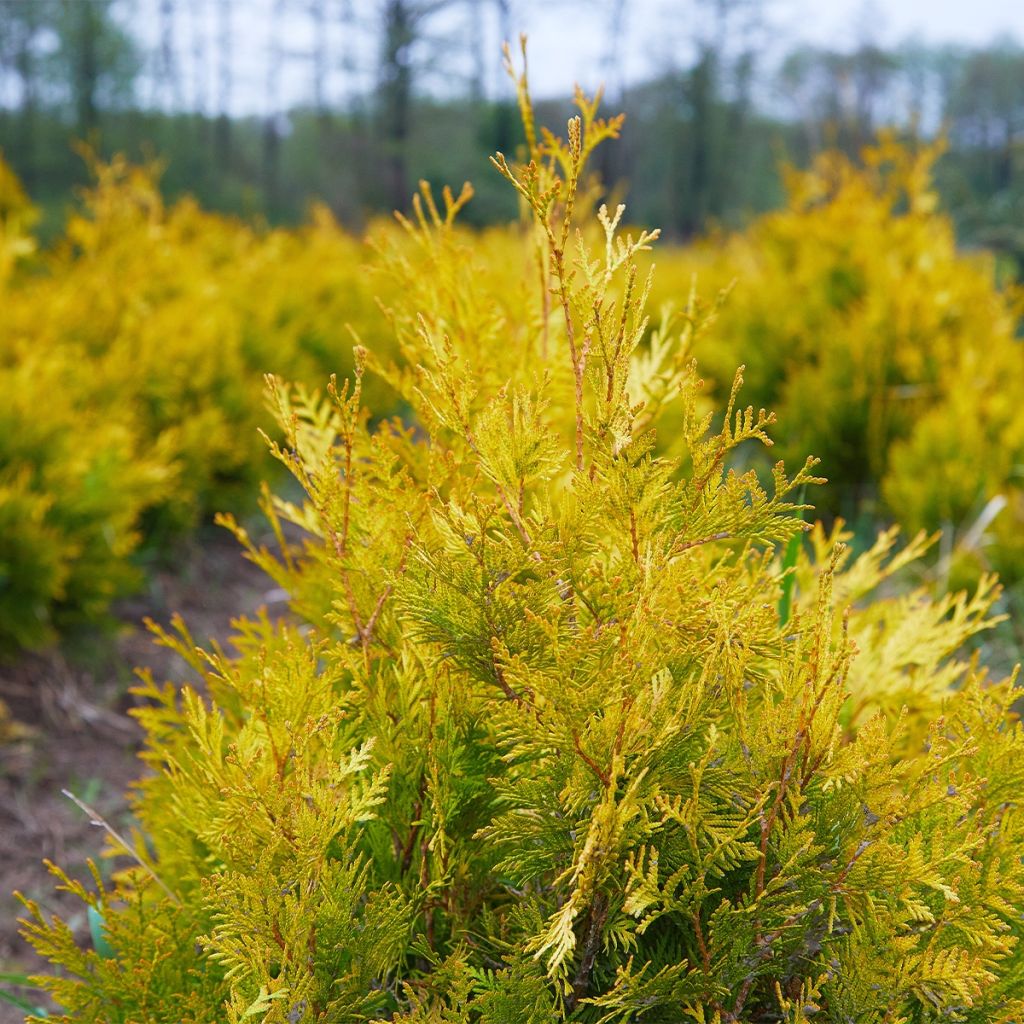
x=271 y=121
x=505 y=21
x=399 y=33
x=611 y=60
x=987 y=109
x=20 y=24
x=168 y=72
x=197 y=27
x=225 y=53
x=478 y=48
x=318 y=12
x=83 y=20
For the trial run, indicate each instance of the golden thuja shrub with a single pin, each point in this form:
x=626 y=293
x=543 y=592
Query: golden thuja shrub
x=882 y=347
x=564 y=740
x=17 y=217
x=127 y=360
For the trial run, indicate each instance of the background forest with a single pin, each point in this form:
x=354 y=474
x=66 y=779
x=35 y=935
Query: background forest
x=259 y=106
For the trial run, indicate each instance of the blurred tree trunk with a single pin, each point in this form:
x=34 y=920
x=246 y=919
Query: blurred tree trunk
x=478 y=53
x=203 y=173
x=271 y=126
x=24 y=26
x=506 y=117
x=169 y=71
x=396 y=96
x=225 y=52
x=321 y=71
x=702 y=95
x=85 y=71
x=611 y=160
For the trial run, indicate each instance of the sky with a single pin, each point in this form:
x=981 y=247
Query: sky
x=569 y=41
x=967 y=21
x=655 y=27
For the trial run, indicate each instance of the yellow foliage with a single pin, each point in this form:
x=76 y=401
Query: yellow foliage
x=17 y=215
x=883 y=348
x=130 y=364
x=553 y=746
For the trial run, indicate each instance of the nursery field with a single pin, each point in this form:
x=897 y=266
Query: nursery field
x=521 y=666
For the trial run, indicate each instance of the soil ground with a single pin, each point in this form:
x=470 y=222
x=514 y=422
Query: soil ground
x=78 y=736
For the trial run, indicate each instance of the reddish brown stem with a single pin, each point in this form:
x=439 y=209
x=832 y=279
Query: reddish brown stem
x=591 y=763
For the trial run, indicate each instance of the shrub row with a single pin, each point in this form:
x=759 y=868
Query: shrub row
x=885 y=350
x=127 y=361
x=129 y=355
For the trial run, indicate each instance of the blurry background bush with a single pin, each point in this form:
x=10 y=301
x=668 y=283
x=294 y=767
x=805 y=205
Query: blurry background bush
x=131 y=359
x=886 y=350
x=188 y=183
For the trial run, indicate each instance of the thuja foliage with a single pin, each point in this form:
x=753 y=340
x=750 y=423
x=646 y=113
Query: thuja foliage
x=884 y=349
x=547 y=749
x=129 y=352
x=126 y=362
x=17 y=217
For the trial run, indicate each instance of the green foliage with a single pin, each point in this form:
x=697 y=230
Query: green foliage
x=545 y=749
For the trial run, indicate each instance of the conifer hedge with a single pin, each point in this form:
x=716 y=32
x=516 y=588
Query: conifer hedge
x=563 y=737
x=883 y=347
x=127 y=358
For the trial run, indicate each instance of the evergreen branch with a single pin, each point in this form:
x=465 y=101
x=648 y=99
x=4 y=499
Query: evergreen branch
x=603 y=777
x=594 y=929
x=679 y=547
